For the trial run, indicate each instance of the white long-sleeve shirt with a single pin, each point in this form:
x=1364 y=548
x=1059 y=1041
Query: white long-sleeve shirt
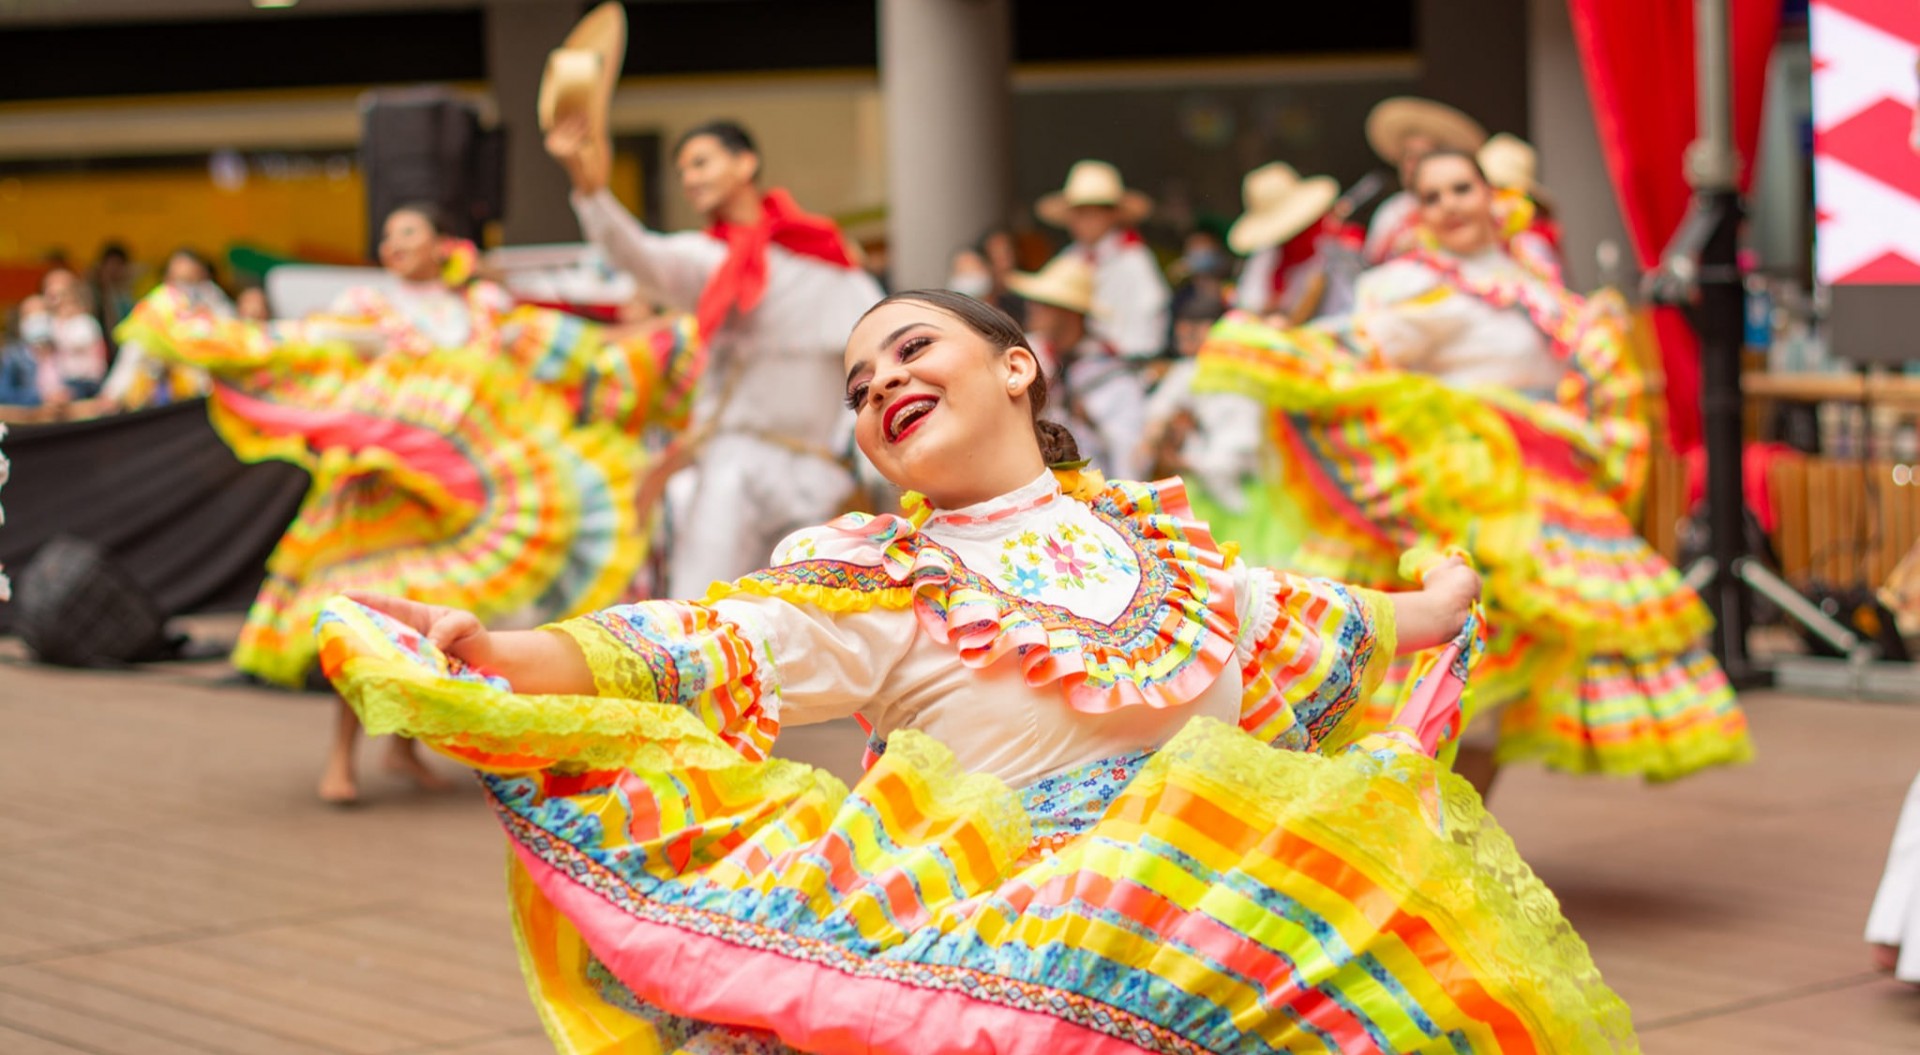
x=1131 y=297
x=774 y=391
x=786 y=352
x=1337 y=263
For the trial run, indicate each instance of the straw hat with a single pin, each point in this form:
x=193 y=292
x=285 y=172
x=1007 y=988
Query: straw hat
x=1279 y=205
x=1065 y=282
x=1511 y=163
x=1395 y=119
x=581 y=73
x=1093 y=183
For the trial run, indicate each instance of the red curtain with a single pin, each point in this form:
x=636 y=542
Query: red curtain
x=1639 y=63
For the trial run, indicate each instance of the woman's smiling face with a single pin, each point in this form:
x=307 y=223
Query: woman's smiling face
x=939 y=408
x=1456 y=204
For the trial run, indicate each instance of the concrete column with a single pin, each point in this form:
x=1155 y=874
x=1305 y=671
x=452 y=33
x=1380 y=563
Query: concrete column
x=519 y=35
x=1571 y=163
x=945 y=79
x=1473 y=55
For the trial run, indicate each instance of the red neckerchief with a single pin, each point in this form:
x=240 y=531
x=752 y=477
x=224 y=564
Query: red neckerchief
x=1128 y=237
x=741 y=280
x=1296 y=251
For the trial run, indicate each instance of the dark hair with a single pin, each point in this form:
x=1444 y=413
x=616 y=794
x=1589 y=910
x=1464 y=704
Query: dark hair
x=435 y=216
x=996 y=327
x=206 y=264
x=731 y=136
x=1448 y=152
x=114 y=249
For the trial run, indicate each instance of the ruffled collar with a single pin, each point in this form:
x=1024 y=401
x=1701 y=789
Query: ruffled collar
x=993 y=515
x=1172 y=637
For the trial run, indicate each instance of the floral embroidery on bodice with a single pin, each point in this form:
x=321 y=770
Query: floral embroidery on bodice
x=1069 y=559
x=1038 y=545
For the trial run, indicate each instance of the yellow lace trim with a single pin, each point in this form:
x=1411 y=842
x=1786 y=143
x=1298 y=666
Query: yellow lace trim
x=491 y=729
x=824 y=598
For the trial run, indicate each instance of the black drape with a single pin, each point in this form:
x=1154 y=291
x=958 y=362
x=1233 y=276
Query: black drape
x=157 y=489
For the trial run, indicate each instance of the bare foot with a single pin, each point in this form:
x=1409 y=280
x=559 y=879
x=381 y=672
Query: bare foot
x=405 y=760
x=338 y=788
x=1885 y=957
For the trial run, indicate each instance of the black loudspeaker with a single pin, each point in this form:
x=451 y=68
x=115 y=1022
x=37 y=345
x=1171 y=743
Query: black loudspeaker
x=74 y=608
x=427 y=144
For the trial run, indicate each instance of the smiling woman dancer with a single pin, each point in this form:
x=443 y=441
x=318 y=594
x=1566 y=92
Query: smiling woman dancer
x=1469 y=402
x=1117 y=797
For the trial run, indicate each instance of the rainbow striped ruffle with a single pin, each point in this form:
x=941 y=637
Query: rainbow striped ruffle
x=1595 y=642
x=490 y=478
x=1226 y=896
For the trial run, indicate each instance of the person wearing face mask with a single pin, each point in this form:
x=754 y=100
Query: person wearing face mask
x=1115 y=796
x=1101 y=213
x=969 y=275
x=1469 y=402
x=774 y=289
x=1199 y=281
x=1402 y=130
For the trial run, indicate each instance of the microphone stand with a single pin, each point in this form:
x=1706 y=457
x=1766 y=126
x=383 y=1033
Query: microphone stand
x=1700 y=271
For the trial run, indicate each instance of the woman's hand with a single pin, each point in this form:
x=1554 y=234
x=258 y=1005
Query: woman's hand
x=536 y=662
x=457 y=633
x=1435 y=614
x=1455 y=582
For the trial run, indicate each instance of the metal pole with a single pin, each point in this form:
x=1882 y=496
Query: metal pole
x=1711 y=166
x=1713 y=161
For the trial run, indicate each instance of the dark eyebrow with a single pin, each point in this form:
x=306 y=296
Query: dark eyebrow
x=902 y=332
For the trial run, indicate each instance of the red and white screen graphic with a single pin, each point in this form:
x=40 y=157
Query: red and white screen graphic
x=1866 y=144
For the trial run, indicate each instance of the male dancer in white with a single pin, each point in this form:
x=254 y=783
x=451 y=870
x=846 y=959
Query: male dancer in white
x=776 y=291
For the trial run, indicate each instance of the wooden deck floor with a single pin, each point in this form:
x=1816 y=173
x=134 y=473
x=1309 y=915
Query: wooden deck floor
x=169 y=885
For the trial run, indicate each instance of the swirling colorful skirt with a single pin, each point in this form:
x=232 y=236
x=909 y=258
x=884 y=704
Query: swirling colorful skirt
x=460 y=478
x=1595 y=661
x=1219 y=895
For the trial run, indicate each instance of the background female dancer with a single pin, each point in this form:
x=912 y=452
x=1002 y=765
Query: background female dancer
x=1467 y=402
x=1108 y=807
x=459 y=448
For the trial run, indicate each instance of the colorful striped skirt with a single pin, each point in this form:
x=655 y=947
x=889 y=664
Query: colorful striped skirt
x=466 y=477
x=1215 y=895
x=1595 y=661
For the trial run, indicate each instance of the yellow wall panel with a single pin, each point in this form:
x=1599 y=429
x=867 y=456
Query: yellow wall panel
x=318 y=213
